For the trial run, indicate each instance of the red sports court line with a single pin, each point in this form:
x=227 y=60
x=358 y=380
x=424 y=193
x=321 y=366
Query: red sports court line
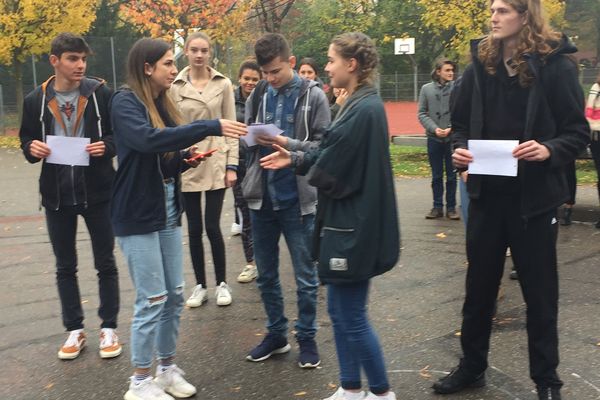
x=402 y=118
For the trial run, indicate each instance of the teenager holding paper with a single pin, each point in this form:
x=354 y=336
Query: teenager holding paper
x=71 y=105
x=521 y=86
x=356 y=228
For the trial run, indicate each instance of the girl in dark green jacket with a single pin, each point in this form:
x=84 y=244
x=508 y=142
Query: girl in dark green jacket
x=356 y=227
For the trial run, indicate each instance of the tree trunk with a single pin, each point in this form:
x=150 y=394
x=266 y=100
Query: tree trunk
x=18 y=75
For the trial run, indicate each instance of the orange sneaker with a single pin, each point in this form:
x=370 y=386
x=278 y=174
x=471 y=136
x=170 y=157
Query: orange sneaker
x=109 y=343
x=73 y=346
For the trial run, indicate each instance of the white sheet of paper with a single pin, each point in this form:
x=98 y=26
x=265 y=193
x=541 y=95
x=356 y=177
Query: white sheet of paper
x=67 y=150
x=255 y=130
x=493 y=157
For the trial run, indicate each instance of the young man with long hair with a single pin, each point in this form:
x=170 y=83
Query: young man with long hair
x=521 y=86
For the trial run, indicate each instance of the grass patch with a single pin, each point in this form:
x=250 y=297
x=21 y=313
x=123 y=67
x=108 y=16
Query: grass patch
x=412 y=161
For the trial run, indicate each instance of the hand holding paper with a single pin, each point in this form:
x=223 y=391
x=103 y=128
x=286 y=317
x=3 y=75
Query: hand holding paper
x=68 y=150
x=256 y=130
x=493 y=157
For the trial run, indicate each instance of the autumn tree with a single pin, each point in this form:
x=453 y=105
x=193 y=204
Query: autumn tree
x=468 y=19
x=159 y=18
x=271 y=13
x=28 y=27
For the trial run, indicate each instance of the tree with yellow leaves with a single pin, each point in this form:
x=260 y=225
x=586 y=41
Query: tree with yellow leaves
x=469 y=19
x=28 y=27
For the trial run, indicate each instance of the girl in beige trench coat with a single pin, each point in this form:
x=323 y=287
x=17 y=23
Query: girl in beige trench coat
x=201 y=92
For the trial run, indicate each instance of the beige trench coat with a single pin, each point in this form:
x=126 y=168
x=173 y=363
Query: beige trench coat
x=215 y=102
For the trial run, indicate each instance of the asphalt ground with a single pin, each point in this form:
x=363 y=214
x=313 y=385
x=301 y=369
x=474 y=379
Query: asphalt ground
x=416 y=309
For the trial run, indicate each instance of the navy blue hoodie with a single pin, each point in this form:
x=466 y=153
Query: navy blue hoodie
x=138 y=198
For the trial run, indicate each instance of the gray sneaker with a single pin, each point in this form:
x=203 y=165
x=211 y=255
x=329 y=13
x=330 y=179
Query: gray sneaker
x=435 y=213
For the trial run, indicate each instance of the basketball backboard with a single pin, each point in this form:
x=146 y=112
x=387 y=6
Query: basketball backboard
x=404 y=46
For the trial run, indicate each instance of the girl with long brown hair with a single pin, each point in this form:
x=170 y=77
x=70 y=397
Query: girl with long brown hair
x=146 y=211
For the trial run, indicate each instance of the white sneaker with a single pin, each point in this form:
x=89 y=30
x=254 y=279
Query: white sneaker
x=73 y=345
x=248 y=274
x=199 y=296
x=388 y=396
x=172 y=381
x=109 y=343
x=223 y=294
x=340 y=394
x=236 y=229
x=145 y=390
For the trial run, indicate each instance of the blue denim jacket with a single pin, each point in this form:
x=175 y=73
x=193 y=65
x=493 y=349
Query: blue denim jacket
x=280 y=185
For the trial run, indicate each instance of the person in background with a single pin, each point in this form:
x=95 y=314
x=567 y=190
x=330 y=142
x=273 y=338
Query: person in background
x=146 y=211
x=201 y=92
x=521 y=85
x=249 y=75
x=356 y=229
x=592 y=113
x=307 y=68
x=69 y=104
x=434 y=115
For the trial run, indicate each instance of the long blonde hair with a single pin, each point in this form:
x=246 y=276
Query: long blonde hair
x=536 y=37
x=150 y=51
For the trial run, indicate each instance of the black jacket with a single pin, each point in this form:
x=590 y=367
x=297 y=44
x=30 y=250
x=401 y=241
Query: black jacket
x=90 y=184
x=356 y=234
x=138 y=200
x=555 y=118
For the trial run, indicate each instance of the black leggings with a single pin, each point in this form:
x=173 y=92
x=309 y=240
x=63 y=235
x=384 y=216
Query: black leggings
x=571 y=182
x=212 y=219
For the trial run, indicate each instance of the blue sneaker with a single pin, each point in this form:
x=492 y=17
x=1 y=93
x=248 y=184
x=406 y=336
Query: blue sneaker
x=309 y=355
x=271 y=344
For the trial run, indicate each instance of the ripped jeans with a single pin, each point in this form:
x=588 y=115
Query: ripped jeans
x=155 y=263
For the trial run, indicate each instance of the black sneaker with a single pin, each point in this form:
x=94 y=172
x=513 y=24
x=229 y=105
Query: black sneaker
x=548 y=393
x=567 y=214
x=458 y=380
x=597 y=225
x=271 y=344
x=309 y=355
x=435 y=213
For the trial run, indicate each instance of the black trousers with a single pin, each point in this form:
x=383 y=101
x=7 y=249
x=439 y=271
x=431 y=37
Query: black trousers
x=595 y=148
x=571 y=182
x=62 y=229
x=212 y=220
x=495 y=222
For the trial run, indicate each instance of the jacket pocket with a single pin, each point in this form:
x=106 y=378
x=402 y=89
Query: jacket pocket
x=336 y=252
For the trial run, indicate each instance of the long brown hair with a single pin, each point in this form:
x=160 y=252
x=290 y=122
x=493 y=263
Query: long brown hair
x=359 y=46
x=536 y=37
x=150 y=51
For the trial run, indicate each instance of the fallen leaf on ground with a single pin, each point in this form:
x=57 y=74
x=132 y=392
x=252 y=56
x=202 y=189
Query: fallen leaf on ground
x=236 y=389
x=84 y=301
x=333 y=385
x=424 y=372
x=49 y=386
x=300 y=394
x=459 y=333
x=441 y=235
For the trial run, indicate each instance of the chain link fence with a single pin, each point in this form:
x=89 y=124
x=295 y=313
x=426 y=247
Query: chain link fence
x=110 y=55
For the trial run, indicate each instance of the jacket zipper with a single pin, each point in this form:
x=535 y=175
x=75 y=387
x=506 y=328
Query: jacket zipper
x=329 y=228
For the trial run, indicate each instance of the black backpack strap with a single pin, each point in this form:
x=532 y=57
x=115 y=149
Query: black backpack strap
x=259 y=91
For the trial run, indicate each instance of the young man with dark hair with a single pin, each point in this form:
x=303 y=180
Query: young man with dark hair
x=74 y=106
x=434 y=115
x=281 y=202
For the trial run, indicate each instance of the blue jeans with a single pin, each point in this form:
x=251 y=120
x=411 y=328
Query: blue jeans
x=440 y=158
x=267 y=226
x=156 y=267
x=355 y=340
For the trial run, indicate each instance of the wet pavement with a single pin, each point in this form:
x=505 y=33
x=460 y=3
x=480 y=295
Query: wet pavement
x=415 y=308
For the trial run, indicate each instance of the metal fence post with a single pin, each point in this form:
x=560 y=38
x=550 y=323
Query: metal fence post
x=112 y=57
x=34 y=71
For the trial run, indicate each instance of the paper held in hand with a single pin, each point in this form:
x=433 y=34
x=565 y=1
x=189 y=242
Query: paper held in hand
x=67 y=150
x=255 y=130
x=493 y=157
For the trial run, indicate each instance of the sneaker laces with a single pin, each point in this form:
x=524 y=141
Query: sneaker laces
x=248 y=268
x=223 y=289
x=197 y=291
x=109 y=337
x=73 y=339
